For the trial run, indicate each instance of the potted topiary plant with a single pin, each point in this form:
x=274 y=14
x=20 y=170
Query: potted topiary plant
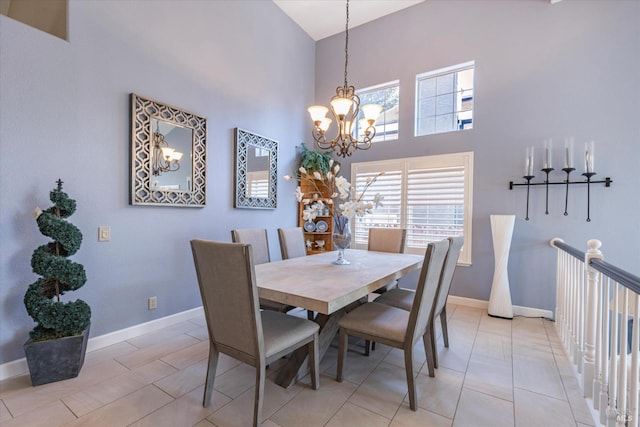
x=57 y=345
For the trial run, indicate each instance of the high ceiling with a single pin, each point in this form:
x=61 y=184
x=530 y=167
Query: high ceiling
x=324 y=18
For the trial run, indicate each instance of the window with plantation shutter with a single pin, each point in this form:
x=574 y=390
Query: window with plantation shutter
x=429 y=196
x=387 y=215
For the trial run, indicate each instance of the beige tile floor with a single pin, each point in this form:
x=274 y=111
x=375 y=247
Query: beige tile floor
x=496 y=373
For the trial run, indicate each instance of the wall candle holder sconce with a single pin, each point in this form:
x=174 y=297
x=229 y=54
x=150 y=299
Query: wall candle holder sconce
x=567 y=169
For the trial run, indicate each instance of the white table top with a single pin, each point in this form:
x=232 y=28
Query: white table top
x=315 y=283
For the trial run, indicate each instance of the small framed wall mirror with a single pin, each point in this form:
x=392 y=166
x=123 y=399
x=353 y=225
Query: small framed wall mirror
x=168 y=149
x=256 y=171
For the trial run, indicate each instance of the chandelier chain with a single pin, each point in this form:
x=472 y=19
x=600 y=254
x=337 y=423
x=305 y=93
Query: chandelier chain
x=346 y=47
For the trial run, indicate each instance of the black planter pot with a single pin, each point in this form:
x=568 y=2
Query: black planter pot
x=56 y=360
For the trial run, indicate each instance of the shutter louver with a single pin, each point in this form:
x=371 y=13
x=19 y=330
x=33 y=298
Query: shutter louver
x=435 y=204
x=389 y=186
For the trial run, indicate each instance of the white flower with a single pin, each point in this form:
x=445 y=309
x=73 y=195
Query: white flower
x=309 y=214
x=342 y=199
x=343 y=187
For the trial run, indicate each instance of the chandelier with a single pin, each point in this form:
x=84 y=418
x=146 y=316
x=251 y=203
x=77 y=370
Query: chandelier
x=345 y=108
x=164 y=158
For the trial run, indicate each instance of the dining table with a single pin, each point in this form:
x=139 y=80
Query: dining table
x=315 y=283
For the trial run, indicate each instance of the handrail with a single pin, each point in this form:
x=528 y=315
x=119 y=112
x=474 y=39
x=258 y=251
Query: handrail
x=621 y=276
x=560 y=244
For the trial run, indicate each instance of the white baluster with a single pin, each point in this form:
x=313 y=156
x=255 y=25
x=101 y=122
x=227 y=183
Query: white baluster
x=590 y=316
x=635 y=363
x=621 y=402
x=605 y=351
x=613 y=366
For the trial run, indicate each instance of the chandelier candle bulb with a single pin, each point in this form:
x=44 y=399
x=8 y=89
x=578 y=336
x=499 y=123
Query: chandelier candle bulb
x=589 y=157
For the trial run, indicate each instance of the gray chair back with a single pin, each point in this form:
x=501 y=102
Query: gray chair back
x=230 y=298
x=257 y=238
x=292 y=243
x=387 y=240
x=455 y=246
x=426 y=291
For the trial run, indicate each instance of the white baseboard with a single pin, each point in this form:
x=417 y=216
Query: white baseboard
x=19 y=367
x=517 y=310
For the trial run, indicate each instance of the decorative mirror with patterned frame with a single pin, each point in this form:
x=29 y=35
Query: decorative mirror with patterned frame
x=159 y=177
x=256 y=171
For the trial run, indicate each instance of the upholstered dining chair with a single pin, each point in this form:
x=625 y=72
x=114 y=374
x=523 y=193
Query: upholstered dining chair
x=387 y=240
x=397 y=327
x=403 y=298
x=236 y=325
x=292 y=243
x=257 y=238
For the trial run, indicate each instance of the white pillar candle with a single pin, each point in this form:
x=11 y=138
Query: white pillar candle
x=589 y=157
x=548 y=149
x=568 y=152
x=529 y=162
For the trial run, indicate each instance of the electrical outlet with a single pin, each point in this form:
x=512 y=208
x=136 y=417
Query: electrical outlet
x=104 y=233
x=152 y=303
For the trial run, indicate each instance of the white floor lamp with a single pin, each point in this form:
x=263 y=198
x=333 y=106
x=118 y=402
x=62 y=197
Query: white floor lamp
x=500 y=298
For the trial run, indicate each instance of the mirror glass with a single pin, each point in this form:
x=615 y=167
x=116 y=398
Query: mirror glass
x=168 y=150
x=256 y=171
x=171 y=174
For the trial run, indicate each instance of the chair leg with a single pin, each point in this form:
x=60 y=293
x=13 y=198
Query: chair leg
x=429 y=351
x=314 y=364
x=433 y=343
x=342 y=353
x=259 y=394
x=445 y=331
x=310 y=315
x=411 y=384
x=369 y=346
x=211 y=376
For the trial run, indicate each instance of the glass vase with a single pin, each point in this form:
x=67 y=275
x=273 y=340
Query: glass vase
x=341 y=237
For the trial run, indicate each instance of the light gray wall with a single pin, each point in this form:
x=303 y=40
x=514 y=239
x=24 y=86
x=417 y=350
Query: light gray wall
x=64 y=113
x=542 y=70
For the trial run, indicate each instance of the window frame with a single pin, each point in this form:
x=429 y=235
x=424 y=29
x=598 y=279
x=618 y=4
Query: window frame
x=380 y=136
x=453 y=69
x=405 y=165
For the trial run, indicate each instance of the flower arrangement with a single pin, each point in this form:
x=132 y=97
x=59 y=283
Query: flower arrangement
x=343 y=202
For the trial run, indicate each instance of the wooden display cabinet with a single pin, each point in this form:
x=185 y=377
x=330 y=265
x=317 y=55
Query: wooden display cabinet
x=315 y=190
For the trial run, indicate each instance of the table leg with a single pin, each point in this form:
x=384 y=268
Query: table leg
x=296 y=365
